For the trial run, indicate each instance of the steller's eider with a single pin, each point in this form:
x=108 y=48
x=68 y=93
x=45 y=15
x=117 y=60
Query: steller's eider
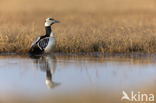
x=45 y=43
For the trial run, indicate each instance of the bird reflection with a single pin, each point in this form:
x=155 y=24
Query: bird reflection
x=47 y=63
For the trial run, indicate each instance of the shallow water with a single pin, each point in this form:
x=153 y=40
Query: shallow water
x=57 y=79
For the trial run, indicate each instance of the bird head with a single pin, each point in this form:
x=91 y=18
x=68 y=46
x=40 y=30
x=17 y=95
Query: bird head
x=50 y=21
x=51 y=84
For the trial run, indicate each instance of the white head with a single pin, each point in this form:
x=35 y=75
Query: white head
x=50 y=21
x=51 y=84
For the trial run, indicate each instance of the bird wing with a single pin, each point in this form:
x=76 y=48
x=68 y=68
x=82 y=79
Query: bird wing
x=43 y=43
x=35 y=41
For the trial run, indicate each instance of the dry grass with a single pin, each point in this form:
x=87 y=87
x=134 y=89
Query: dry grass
x=86 y=25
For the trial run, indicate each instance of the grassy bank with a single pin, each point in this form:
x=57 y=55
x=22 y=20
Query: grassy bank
x=95 y=26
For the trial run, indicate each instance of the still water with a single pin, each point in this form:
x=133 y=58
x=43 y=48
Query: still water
x=64 y=79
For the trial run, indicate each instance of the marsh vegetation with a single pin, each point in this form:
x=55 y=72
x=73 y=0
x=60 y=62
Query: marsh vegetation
x=86 y=25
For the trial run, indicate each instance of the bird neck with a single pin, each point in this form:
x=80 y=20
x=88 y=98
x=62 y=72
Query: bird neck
x=48 y=75
x=49 y=32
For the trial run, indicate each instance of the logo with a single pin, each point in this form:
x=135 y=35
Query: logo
x=137 y=97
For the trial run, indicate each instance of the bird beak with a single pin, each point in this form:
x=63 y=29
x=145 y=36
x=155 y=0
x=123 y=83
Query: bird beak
x=56 y=21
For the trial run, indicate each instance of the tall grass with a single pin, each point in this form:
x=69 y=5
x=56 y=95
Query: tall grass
x=86 y=26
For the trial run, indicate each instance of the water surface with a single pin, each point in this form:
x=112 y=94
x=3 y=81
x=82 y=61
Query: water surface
x=55 y=79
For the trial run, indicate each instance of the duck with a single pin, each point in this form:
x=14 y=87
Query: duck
x=46 y=43
x=47 y=64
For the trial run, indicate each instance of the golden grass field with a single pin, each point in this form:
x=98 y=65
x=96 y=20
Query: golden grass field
x=113 y=26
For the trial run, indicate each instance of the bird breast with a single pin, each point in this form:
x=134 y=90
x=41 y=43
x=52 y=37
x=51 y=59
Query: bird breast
x=51 y=45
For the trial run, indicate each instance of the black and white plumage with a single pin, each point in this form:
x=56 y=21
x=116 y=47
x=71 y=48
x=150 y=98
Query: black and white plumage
x=47 y=64
x=45 y=43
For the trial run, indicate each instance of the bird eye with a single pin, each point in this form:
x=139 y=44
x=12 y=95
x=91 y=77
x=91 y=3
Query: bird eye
x=51 y=19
